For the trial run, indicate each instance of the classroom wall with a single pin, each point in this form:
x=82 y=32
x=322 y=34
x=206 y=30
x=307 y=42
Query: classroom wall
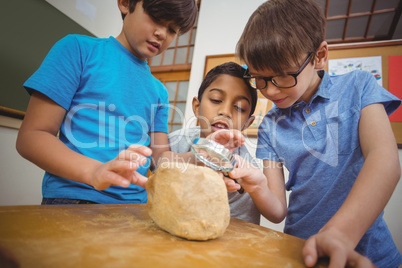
x=219 y=29
x=101 y=17
x=20 y=180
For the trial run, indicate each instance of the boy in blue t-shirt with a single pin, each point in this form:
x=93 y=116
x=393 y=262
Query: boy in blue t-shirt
x=110 y=113
x=332 y=134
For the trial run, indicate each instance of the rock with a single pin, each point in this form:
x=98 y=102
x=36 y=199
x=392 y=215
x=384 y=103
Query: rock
x=188 y=201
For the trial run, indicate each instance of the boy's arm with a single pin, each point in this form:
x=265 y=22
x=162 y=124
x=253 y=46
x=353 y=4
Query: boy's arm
x=266 y=189
x=370 y=193
x=37 y=141
x=273 y=171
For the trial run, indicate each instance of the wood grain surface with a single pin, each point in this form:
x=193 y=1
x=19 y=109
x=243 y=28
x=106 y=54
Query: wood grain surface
x=125 y=236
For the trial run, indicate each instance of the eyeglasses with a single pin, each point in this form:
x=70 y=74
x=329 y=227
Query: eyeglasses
x=280 y=81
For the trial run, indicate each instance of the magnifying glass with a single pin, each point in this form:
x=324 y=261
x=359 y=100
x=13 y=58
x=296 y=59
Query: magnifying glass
x=215 y=156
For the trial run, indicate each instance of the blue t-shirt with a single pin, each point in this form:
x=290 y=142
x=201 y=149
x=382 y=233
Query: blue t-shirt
x=318 y=142
x=112 y=101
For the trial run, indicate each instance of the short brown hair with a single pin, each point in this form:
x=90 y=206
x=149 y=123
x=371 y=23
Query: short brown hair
x=182 y=12
x=279 y=32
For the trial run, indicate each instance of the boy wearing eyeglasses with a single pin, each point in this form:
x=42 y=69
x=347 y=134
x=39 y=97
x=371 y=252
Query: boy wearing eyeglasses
x=331 y=133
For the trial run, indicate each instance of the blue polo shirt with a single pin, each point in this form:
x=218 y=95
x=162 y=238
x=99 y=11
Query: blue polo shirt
x=318 y=142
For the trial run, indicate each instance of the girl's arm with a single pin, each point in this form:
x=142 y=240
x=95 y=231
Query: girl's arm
x=370 y=193
x=161 y=151
x=266 y=189
x=37 y=141
x=231 y=139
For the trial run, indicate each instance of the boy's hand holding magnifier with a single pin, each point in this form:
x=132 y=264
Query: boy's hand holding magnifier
x=215 y=151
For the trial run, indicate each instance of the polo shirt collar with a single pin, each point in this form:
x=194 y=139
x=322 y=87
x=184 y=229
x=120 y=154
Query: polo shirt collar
x=322 y=92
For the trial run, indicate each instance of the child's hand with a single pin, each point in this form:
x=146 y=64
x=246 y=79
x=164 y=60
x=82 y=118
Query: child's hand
x=337 y=247
x=247 y=175
x=231 y=185
x=230 y=138
x=121 y=171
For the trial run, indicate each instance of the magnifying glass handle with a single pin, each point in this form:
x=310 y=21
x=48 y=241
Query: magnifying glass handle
x=241 y=190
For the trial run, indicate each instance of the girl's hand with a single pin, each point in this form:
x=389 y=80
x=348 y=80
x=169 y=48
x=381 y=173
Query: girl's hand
x=247 y=175
x=231 y=185
x=230 y=138
x=121 y=171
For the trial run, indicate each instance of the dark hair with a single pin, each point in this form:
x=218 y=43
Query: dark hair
x=279 y=32
x=232 y=69
x=182 y=12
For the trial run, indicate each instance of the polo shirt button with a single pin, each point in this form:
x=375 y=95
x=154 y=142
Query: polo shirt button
x=313 y=123
x=308 y=110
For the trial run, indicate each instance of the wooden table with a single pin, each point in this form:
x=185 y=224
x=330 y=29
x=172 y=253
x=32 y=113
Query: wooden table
x=124 y=236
